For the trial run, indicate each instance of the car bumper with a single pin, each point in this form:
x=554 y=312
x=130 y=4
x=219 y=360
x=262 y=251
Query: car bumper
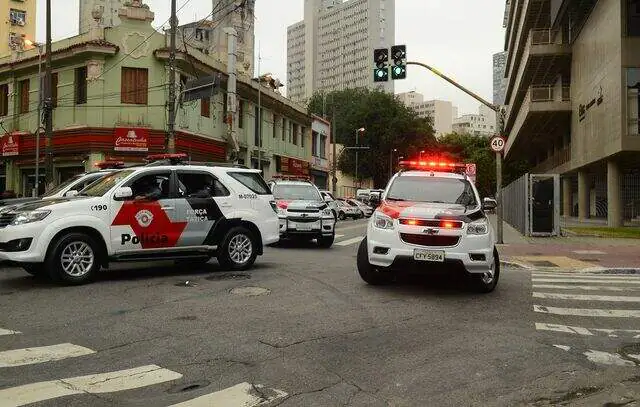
x=473 y=254
x=21 y=244
x=321 y=227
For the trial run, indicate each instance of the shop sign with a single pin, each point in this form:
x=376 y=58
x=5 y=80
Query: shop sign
x=584 y=108
x=10 y=145
x=293 y=166
x=131 y=139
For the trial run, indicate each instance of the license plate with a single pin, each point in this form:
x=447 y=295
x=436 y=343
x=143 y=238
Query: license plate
x=303 y=226
x=428 y=255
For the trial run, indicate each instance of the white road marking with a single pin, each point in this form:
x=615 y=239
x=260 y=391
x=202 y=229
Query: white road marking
x=93 y=384
x=582 y=280
x=585 y=275
x=578 y=330
x=8 y=332
x=349 y=242
x=42 y=354
x=604 y=358
x=588 y=312
x=563 y=347
x=240 y=395
x=583 y=297
x=588 y=252
x=338 y=236
x=360 y=226
x=586 y=287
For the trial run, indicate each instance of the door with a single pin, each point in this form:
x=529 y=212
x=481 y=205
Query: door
x=149 y=220
x=542 y=205
x=205 y=203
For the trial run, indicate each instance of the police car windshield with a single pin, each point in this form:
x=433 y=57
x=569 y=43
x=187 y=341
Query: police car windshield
x=62 y=186
x=432 y=189
x=101 y=187
x=294 y=192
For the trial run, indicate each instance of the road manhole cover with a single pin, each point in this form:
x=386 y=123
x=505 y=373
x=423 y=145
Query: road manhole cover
x=186 y=387
x=250 y=291
x=543 y=263
x=228 y=276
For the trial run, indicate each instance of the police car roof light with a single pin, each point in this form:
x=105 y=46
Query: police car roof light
x=431 y=165
x=303 y=178
x=106 y=165
x=173 y=159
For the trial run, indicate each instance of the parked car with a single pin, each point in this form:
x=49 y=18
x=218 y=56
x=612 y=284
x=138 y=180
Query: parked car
x=346 y=210
x=367 y=211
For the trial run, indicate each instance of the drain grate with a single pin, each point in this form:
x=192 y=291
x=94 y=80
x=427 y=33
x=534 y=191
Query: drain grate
x=186 y=387
x=543 y=263
x=228 y=276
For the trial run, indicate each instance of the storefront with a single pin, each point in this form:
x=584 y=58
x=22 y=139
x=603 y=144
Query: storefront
x=291 y=166
x=320 y=172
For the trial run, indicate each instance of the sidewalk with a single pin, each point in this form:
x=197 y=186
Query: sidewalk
x=567 y=253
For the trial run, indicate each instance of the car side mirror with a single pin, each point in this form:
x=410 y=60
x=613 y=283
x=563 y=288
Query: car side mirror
x=488 y=206
x=71 y=193
x=123 y=194
x=374 y=201
x=327 y=199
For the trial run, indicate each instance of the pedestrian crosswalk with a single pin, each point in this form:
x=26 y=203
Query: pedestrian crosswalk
x=597 y=312
x=134 y=377
x=345 y=241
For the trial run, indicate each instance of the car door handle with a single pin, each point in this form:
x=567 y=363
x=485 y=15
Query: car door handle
x=167 y=208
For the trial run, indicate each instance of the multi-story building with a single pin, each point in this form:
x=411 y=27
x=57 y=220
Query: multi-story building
x=331 y=49
x=20 y=24
x=108 y=8
x=499 y=81
x=110 y=92
x=441 y=112
x=482 y=124
x=573 y=73
x=320 y=143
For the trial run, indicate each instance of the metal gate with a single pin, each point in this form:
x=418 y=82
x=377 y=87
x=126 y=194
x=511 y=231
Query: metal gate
x=531 y=204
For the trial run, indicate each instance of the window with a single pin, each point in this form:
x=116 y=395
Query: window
x=54 y=89
x=205 y=107
x=80 y=85
x=4 y=99
x=224 y=108
x=103 y=186
x=294 y=137
x=17 y=17
x=302 y=129
x=24 y=96
x=431 y=189
x=314 y=143
x=633 y=18
x=323 y=146
x=134 y=86
x=256 y=128
x=295 y=192
x=284 y=129
x=200 y=185
x=241 y=114
x=633 y=94
x=152 y=186
x=275 y=125
x=253 y=181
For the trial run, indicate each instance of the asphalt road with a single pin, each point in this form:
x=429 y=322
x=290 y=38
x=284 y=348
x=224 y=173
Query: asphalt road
x=302 y=329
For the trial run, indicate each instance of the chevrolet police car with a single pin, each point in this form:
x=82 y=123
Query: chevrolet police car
x=167 y=211
x=302 y=212
x=430 y=218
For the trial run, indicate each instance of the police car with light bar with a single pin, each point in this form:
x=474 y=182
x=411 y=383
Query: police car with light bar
x=430 y=218
x=166 y=210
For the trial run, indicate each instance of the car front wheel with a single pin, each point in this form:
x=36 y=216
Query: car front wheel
x=487 y=282
x=238 y=249
x=74 y=259
x=368 y=272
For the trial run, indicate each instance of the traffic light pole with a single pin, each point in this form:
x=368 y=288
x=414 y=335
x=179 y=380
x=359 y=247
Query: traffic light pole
x=496 y=109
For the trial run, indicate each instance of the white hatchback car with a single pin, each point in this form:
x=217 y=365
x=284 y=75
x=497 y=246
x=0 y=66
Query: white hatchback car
x=430 y=218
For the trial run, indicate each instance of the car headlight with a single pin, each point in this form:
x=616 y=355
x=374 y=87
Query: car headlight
x=28 y=217
x=281 y=212
x=327 y=212
x=478 y=227
x=382 y=221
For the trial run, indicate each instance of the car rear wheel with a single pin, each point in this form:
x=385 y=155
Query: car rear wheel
x=342 y=216
x=238 y=249
x=326 y=241
x=74 y=259
x=487 y=282
x=368 y=272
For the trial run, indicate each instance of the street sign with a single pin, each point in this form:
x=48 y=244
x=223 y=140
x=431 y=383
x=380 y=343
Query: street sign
x=497 y=143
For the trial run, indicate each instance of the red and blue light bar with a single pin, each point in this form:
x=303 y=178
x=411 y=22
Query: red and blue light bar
x=431 y=165
x=107 y=165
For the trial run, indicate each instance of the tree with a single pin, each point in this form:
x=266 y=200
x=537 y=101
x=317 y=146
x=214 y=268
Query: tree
x=388 y=123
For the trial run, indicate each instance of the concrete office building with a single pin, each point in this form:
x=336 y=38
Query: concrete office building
x=573 y=70
x=20 y=24
x=332 y=48
x=441 y=112
x=499 y=81
x=482 y=124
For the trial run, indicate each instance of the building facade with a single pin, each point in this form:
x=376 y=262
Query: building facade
x=110 y=92
x=108 y=8
x=573 y=74
x=499 y=81
x=441 y=112
x=482 y=124
x=331 y=49
x=320 y=143
x=20 y=24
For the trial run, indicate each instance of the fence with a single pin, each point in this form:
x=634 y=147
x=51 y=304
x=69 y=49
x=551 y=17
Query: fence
x=514 y=203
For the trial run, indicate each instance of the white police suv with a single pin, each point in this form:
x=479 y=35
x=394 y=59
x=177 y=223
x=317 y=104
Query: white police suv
x=167 y=210
x=430 y=219
x=302 y=211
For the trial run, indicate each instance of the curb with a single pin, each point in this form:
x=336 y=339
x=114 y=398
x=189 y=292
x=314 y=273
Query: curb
x=515 y=264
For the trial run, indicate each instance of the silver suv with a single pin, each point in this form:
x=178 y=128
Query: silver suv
x=302 y=211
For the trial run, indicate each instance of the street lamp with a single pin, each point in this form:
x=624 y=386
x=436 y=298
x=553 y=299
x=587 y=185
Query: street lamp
x=29 y=43
x=358 y=131
x=395 y=150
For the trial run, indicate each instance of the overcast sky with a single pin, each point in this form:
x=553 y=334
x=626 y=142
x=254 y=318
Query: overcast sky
x=458 y=37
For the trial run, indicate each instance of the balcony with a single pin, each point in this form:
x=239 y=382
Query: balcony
x=544 y=113
x=559 y=158
x=545 y=57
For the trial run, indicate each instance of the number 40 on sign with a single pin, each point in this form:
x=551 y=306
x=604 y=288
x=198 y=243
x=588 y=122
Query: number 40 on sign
x=497 y=144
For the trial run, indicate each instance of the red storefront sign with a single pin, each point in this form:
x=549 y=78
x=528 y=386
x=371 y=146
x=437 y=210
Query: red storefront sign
x=293 y=166
x=131 y=139
x=10 y=145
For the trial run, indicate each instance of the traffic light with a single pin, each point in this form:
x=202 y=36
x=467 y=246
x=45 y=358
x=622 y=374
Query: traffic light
x=399 y=68
x=380 y=60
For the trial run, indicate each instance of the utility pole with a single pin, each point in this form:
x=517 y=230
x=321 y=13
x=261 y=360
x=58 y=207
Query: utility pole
x=48 y=105
x=334 y=185
x=498 y=111
x=171 y=140
x=259 y=118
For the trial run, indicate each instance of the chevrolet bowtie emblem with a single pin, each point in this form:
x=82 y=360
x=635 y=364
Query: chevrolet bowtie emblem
x=430 y=231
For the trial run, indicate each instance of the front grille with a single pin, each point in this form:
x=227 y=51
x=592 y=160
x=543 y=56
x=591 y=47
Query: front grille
x=303 y=220
x=6 y=219
x=309 y=210
x=429 y=240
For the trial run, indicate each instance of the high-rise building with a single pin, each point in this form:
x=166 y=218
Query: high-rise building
x=482 y=124
x=332 y=48
x=499 y=81
x=441 y=112
x=109 y=9
x=20 y=24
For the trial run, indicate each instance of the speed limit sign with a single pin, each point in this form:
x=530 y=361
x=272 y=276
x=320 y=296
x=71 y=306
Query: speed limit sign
x=497 y=144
